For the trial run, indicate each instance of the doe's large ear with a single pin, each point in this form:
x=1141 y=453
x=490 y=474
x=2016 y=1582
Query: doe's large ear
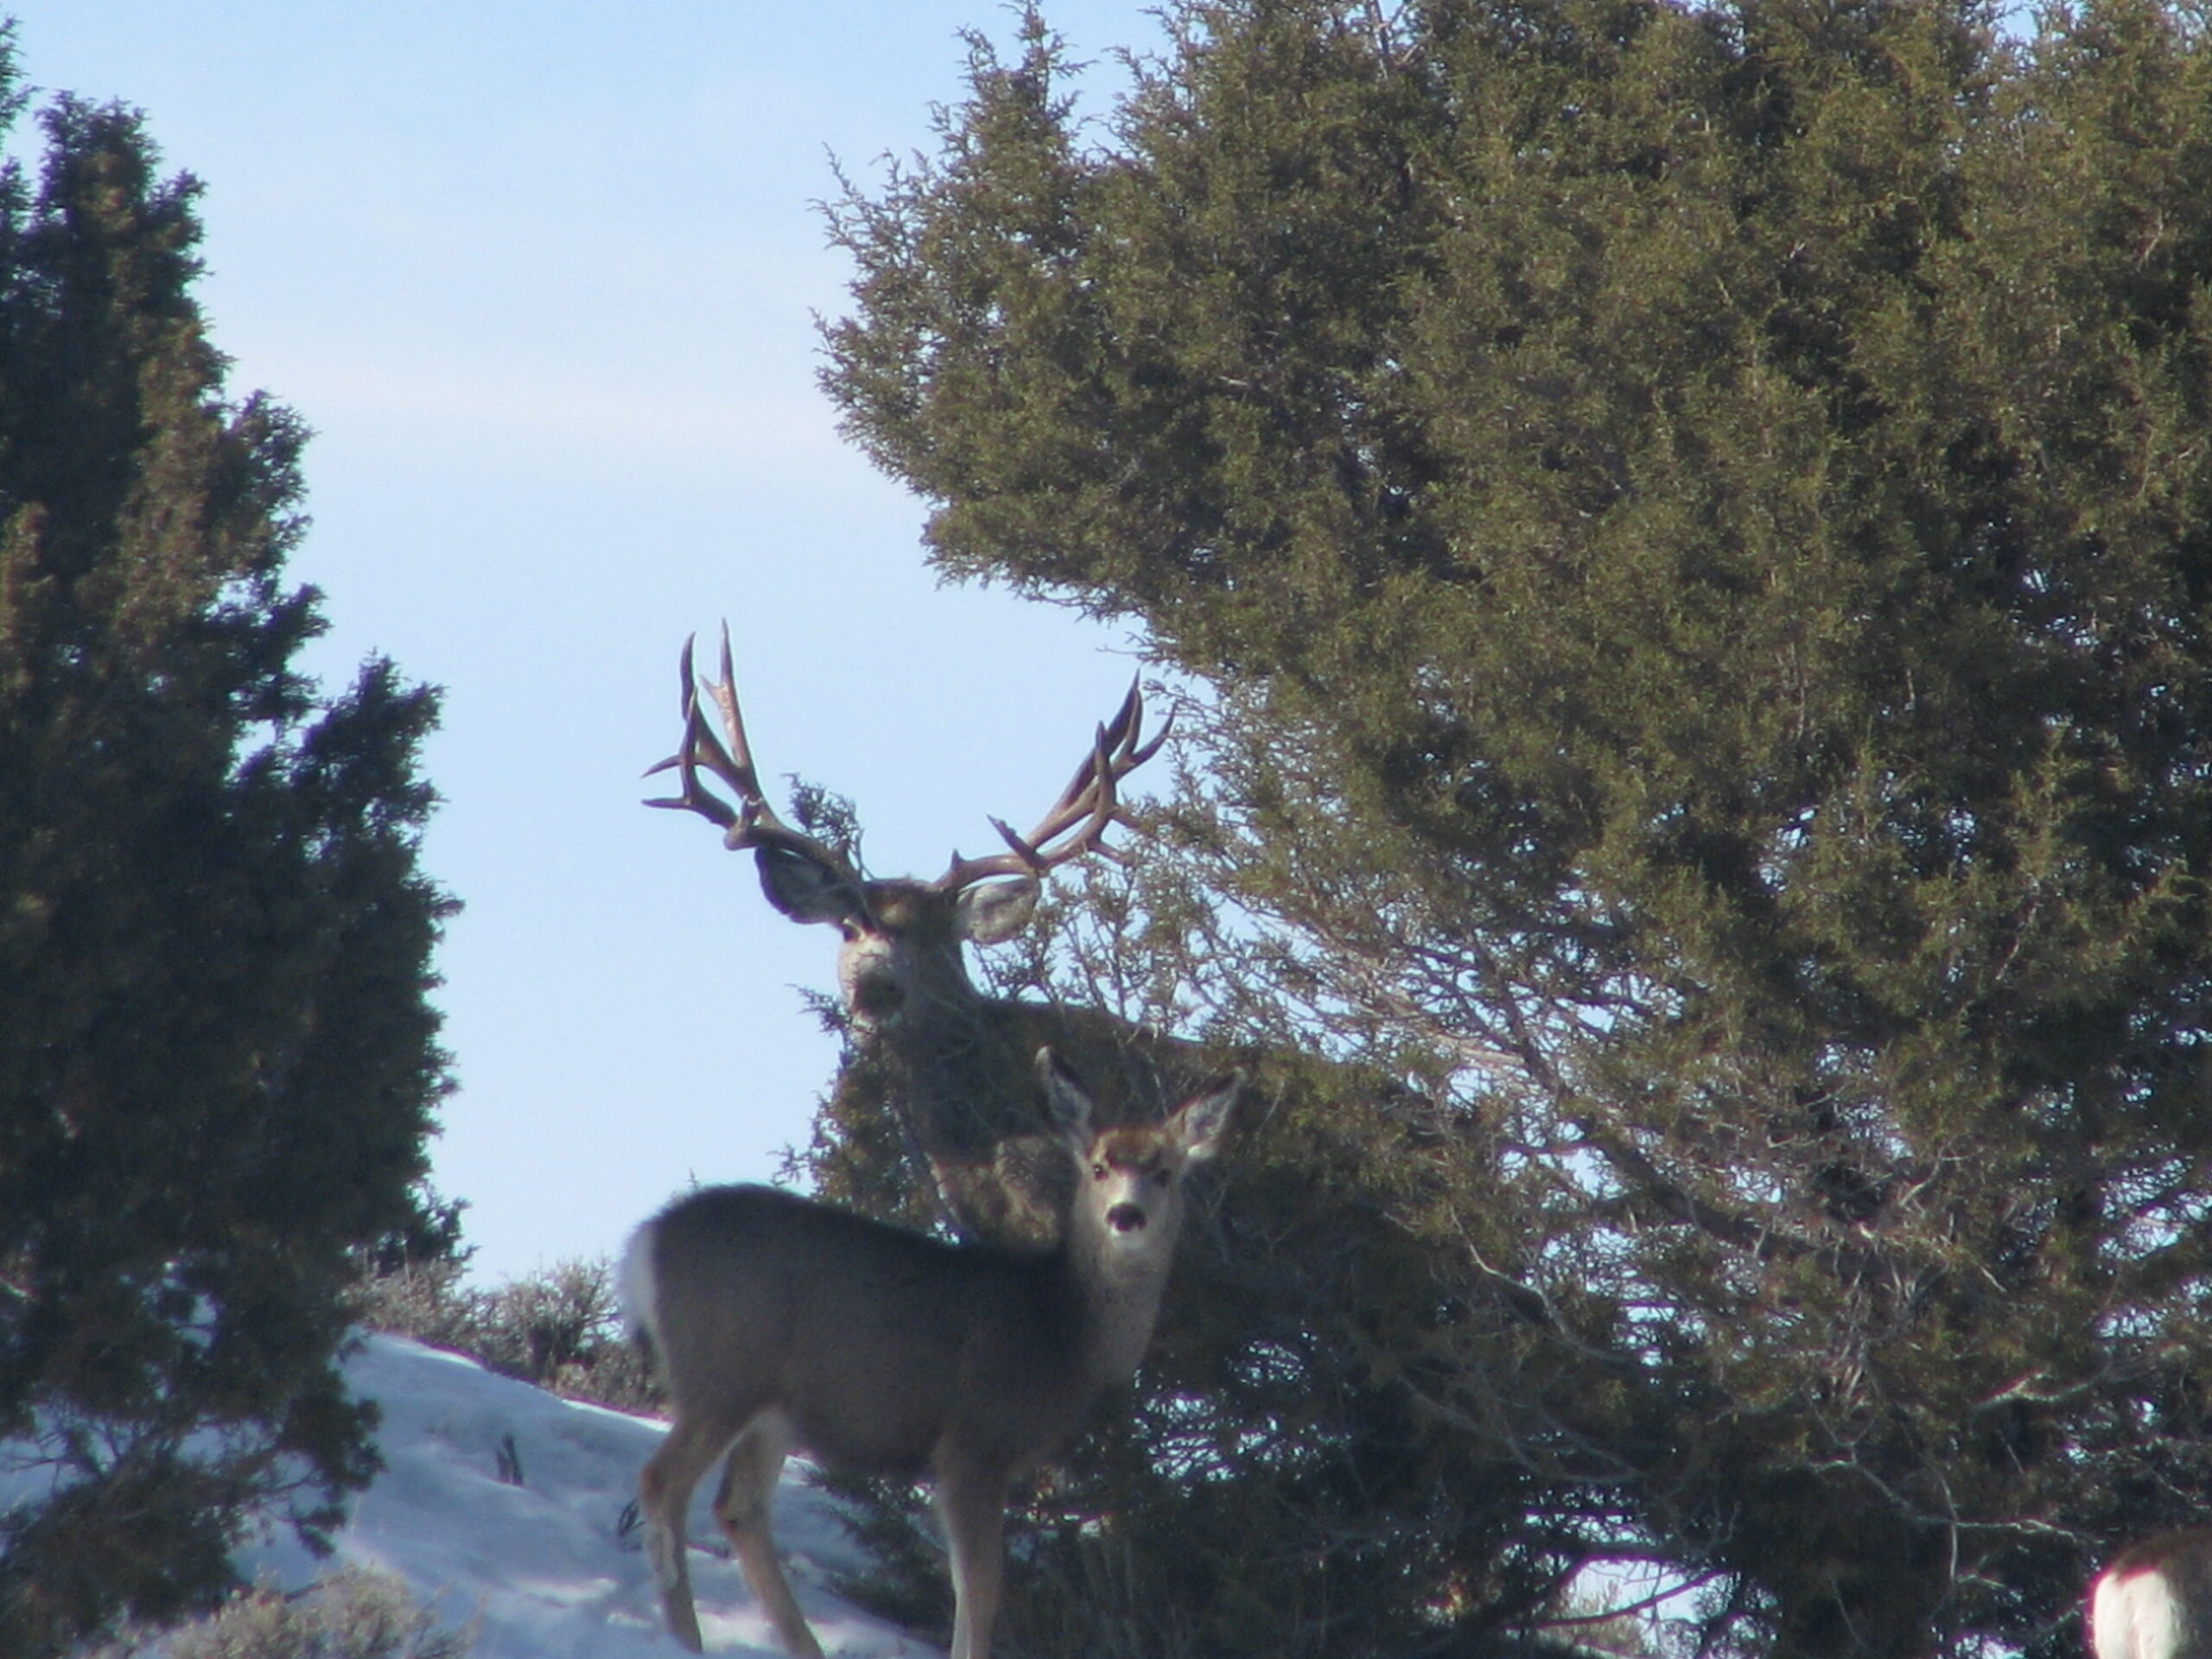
x=1067 y=1103
x=1201 y=1123
x=991 y=913
x=807 y=890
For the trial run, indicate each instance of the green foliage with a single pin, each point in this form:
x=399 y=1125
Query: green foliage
x=217 y=1063
x=1695 y=524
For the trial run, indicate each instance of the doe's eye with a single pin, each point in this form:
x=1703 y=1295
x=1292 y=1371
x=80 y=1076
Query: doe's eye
x=1098 y=1172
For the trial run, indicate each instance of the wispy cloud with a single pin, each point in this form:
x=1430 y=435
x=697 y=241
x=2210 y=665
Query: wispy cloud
x=626 y=416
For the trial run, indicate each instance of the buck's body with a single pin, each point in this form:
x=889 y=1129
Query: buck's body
x=781 y=1324
x=2155 y=1600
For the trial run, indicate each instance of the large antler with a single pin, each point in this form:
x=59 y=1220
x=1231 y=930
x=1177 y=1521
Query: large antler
x=753 y=822
x=1075 y=825
x=1087 y=806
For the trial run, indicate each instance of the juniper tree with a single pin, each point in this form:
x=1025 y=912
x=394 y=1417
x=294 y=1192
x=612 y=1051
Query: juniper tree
x=1693 y=524
x=218 y=1066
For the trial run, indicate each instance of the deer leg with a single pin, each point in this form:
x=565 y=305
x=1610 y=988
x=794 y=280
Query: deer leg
x=742 y=1507
x=664 y=1501
x=972 y=1508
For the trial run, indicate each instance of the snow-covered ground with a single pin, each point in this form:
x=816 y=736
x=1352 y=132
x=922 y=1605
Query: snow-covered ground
x=539 y=1567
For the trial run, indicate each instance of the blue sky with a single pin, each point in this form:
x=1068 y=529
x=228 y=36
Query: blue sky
x=542 y=279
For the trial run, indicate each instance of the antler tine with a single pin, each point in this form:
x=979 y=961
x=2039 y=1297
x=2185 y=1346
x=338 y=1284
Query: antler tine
x=688 y=697
x=1087 y=807
x=1125 y=734
x=1137 y=757
x=738 y=756
x=753 y=822
x=696 y=739
x=1116 y=737
x=1093 y=793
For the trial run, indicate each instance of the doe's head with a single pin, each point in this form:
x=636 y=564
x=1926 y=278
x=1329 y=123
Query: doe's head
x=1129 y=1179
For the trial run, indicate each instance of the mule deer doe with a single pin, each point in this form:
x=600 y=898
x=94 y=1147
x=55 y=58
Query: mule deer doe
x=953 y=1063
x=2154 y=1601
x=784 y=1324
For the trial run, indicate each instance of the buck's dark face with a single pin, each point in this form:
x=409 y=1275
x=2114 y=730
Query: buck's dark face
x=902 y=937
x=903 y=953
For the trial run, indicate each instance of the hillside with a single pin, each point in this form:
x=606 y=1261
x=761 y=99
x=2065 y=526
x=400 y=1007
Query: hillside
x=540 y=1567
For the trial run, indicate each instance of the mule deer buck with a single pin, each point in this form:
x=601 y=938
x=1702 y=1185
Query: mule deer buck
x=954 y=1063
x=784 y=1324
x=2154 y=1601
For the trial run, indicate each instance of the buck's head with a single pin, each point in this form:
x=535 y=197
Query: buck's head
x=901 y=937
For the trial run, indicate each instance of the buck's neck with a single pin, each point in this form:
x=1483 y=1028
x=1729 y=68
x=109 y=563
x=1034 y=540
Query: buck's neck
x=963 y=1056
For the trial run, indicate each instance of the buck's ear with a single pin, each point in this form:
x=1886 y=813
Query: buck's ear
x=1201 y=1123
x=807 y=890
x=991 y=913
x=1067 y=1103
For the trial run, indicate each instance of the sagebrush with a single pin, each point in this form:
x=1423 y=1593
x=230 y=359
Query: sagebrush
x=355 y=1613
